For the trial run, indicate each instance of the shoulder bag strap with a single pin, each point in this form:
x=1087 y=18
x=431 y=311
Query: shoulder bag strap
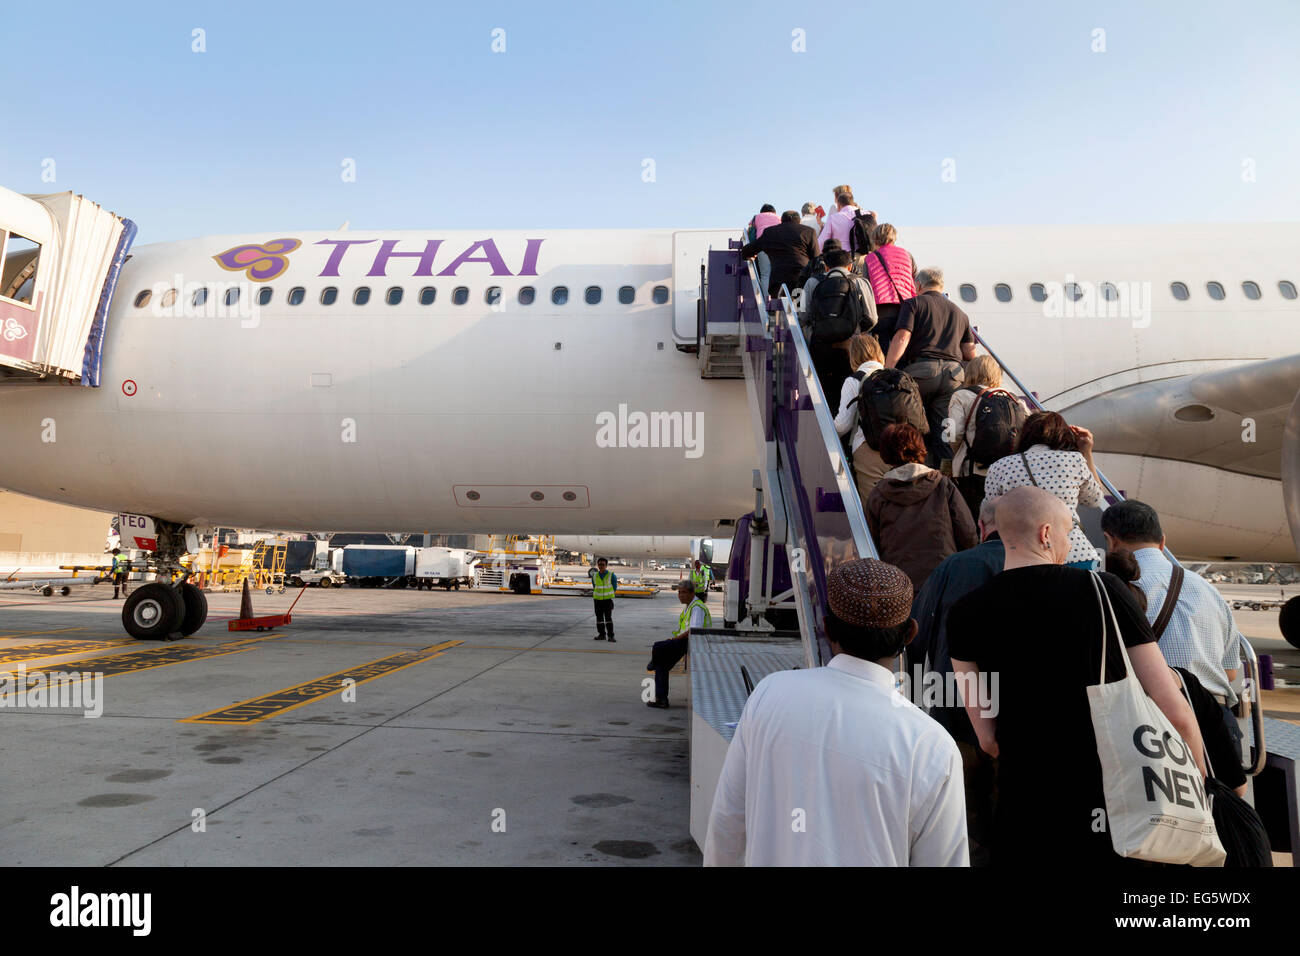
x=884 y=265
x=1103 y=603
x=1171 y=598
x=1205 y=750
x=1027 y=471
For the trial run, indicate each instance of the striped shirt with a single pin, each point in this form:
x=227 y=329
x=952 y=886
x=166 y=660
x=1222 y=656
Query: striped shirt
x=900 y=270
x=1201 y=636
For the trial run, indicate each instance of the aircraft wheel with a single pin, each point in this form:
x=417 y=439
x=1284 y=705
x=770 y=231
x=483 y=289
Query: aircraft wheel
x=152 y=612
x=196 y=609
x=1289 y=621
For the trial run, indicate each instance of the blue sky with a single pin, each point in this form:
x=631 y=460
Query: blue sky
x=251 y=135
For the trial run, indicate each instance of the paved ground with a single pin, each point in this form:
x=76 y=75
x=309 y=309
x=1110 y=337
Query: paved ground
x=526 y=742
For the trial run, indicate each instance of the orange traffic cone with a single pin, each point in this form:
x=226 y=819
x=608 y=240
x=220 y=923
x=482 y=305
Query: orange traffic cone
x=246 y=603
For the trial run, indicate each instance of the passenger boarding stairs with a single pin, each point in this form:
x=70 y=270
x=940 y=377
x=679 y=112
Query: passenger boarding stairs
x=808 y=518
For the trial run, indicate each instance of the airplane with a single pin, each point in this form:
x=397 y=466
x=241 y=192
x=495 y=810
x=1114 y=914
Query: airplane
x=488 y=381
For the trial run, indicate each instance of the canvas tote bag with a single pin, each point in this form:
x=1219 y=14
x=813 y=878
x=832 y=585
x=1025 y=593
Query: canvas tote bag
x=1157 y=806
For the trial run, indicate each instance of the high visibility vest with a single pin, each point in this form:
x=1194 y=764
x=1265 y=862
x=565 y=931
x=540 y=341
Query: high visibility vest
x=602 y=586
x=684 y=619
x=701 y=578
x=120 y=562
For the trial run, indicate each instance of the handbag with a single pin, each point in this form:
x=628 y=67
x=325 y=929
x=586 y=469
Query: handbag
x=1157 y=806
x=1240 y=829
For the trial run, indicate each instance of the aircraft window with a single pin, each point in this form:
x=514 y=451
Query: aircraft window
x=526 y=295
x=1002 y=291
x=329 y=295
x=493 y=295
x=1215 y=290
x=559 y=295
x=660 y=295
x=143 y=298
x=1179 y=290
x=232 y=295
x=627 y=295
x=592 y=295
x=169 y=298
x=460 y=295
x=18 y=270
x=1109 y=292
x=264 y=295
x=1037 y=292
x=427 y=295
x=1073 y=290
x=296 y=295
x=200 y=296
x=361 y=296
x=1251 y=289
x=1287 y=289
x=967 y=292
x=394 y=295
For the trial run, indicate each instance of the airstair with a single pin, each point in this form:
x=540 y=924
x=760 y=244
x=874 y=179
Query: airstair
x=60 y=256
x=807 y=517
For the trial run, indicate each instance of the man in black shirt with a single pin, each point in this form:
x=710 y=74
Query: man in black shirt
x=1031 y=640
x=790 y=246
x=931 y=339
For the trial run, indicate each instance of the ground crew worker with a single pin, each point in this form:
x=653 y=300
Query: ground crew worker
x=665 y=654
x=121 y=565
x=701 y=577
x=603 y=585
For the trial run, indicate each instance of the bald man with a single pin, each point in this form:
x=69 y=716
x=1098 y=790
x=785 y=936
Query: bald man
x=1025 y=647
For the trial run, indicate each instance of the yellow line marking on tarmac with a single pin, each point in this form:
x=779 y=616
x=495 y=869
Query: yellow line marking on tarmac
x=58 y=630
x=257 y=709
x=36 y=652
x=150 y=658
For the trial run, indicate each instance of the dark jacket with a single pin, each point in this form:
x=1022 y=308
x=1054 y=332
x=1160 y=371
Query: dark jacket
x=789 y=245
x=953 y=579
x=917 y=518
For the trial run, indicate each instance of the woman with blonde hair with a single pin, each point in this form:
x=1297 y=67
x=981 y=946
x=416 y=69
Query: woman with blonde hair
x=983 y=382
x=891 y=270
x=865 y=358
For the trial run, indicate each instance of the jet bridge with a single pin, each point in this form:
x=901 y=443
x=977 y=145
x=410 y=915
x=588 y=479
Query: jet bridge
x=807 y=518
x=60 y=256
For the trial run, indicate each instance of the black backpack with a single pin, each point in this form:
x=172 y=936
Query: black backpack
x=860 y=242
x=888 y=396
x=999 y=419
x=837 y=310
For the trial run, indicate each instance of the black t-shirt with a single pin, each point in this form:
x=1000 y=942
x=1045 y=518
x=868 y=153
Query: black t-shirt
x=1038 y=629
x=939 y=328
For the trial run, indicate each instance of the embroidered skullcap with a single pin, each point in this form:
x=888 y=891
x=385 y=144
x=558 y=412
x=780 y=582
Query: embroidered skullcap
x=870 y=593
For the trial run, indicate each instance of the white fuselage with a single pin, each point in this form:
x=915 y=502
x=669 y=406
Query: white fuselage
x=473 y=418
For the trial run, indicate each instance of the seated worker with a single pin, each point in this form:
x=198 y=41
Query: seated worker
x=665 y=654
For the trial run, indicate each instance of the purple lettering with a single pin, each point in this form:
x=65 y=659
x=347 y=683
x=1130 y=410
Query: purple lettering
x=336 y=257
x=425 y=268
x=529 y=268
x=490 y=256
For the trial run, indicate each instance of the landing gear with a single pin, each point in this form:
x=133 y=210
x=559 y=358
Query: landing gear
x=154 y=612
x=166 y=609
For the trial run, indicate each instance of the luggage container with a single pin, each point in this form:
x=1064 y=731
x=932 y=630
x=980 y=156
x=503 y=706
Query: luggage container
x=447 y=568
x=377 y=565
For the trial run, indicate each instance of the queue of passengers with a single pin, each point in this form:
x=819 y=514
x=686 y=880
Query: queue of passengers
x=985 y=573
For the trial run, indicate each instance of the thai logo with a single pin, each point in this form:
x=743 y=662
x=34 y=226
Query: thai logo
x=13 y=331
x=260 y=263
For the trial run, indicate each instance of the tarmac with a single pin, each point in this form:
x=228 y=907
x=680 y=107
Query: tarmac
x=482 y=729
